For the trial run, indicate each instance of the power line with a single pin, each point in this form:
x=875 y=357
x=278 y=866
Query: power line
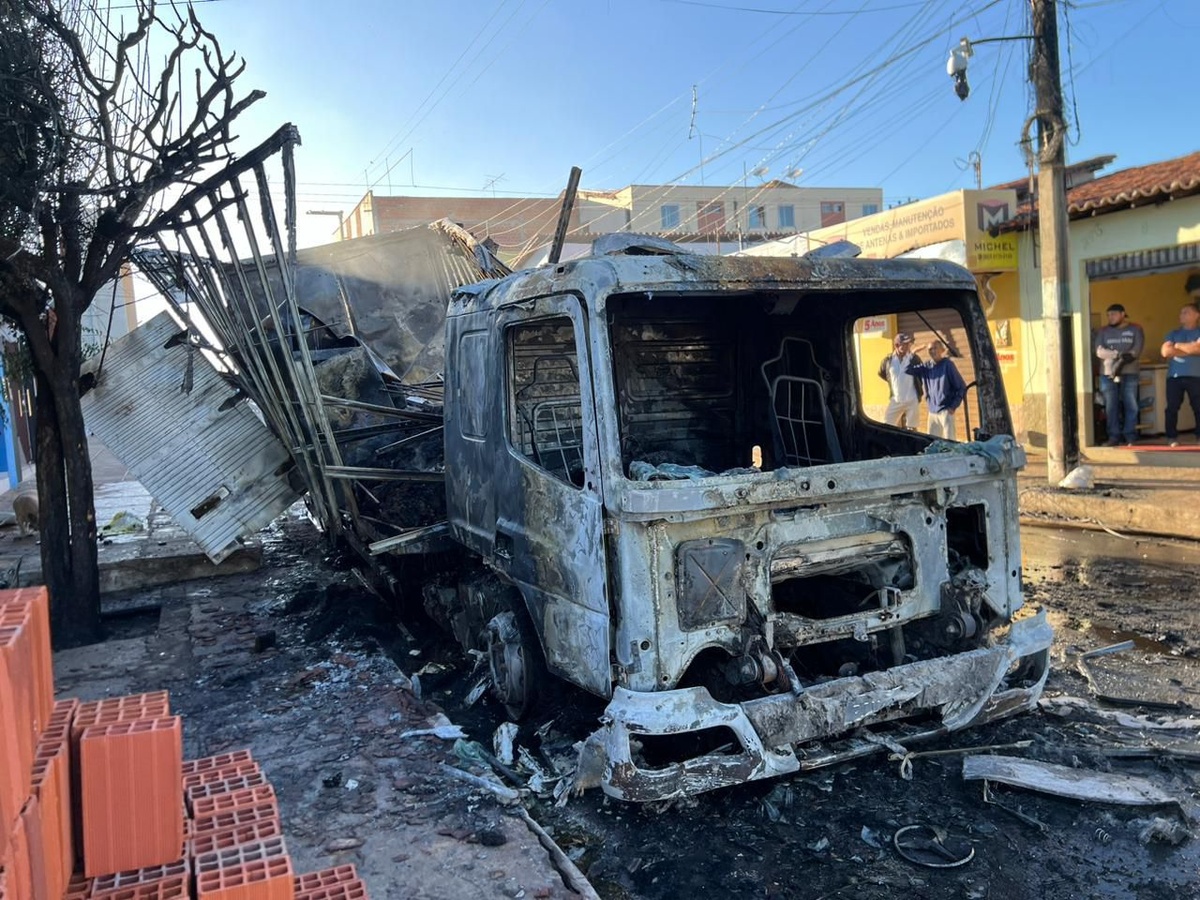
x=785 y=12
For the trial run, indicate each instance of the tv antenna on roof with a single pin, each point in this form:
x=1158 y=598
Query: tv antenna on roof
x=490 y=184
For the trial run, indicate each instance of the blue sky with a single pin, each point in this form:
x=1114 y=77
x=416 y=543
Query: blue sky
x=418 y=97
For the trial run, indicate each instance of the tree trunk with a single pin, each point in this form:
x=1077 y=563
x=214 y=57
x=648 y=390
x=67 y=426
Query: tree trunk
x=67 y=512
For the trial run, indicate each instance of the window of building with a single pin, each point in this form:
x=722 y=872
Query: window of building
x=869 y=209
x=833 y=212
x=787 y=216
x=710 y=217
x=545 y=409
x=758 y=216
x=670 y=216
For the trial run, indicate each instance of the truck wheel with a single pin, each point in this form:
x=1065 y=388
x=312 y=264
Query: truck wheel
x=515 y=659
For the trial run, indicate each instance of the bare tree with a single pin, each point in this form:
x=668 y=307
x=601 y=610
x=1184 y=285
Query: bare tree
x=96 y=139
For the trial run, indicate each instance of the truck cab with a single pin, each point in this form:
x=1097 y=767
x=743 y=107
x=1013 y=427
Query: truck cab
x=678 y=470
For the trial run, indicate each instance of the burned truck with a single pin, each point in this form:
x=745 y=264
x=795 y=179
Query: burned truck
x=666 y=467
x=663 y=478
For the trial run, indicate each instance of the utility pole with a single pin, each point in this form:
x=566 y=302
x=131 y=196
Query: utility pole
x=1062 y=431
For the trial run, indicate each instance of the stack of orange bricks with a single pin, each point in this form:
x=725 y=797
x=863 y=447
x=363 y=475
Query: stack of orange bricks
x=97 y=802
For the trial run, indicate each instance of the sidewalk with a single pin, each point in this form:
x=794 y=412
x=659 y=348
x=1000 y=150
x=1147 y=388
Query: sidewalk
x=1137 y=491
x=139 y=545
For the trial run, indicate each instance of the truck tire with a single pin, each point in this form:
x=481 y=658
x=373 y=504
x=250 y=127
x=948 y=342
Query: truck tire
x=515 y=660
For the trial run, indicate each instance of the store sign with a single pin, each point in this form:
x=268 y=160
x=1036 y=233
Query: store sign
x=871 y=325
x=967 y=216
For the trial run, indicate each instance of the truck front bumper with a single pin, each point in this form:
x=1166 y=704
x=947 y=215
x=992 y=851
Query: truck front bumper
x=965 y=689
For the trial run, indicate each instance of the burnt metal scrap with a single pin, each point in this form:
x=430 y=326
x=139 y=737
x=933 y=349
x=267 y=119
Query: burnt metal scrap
x=651 y=474
x=338 y=347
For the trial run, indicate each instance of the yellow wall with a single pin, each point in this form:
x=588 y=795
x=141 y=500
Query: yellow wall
x=1004 y=321
x=1152 y=301
x=872 y=348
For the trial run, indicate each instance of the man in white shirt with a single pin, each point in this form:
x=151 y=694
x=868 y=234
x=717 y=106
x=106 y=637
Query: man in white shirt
x=904 y=390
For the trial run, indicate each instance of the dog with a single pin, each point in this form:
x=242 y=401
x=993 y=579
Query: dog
x=25 y=509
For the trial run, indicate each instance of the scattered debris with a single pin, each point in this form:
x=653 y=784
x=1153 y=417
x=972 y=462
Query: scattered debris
x=871 y=838
x=1144 y=679
x=445 y=732
x=1080 y=478
x=932 y=847
x=572 y=877
x=1062 y=781
x=478 y=691
x=1016 y=812
x=503 y=794
x=1165 y=831
x=1105 y=651
x=1068 y=706
x=340 y=845
x=906 y=757
x=123 y=523
x=502 y=743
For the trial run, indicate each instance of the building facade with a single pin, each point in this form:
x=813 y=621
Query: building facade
x=711 y=219
x=1134 y=237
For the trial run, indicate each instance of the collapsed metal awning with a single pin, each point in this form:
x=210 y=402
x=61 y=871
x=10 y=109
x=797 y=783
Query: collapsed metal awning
x=339 y=347
x=205 y=456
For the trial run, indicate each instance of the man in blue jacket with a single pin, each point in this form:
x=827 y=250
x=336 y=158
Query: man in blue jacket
x=944 y=390
x=1181 y=350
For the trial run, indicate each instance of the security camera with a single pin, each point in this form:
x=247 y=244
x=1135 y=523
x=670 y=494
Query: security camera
x=956 y=67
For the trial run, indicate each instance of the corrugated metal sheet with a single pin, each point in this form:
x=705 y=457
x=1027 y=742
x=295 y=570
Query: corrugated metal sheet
x=219 y=472
x=1144 y=262
x=389 y=291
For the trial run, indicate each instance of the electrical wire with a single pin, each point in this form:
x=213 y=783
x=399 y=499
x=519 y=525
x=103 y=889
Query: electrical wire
x=864 y=79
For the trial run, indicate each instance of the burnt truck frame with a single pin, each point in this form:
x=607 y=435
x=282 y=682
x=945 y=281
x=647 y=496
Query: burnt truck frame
x=861 y=576
x=653 y=474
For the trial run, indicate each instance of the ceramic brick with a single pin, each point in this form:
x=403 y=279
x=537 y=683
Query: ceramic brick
x=221 y=760
x=240 y=855
x=220 y=773
x=20 y=879
x=264 y=879
x=63 y=712
x=167 y=889
x=311 y=881
x=104 y=886
x=223 y=839
x=348 y=890
x=114 y=710
x=78 y=888
x=129 y=708
x=38 y=601
x=219 y=803
x=17 y=733
x=24 y=616
x=41 y=847
x=131 y=804
x=227 y=786
x=51 y=786
x=234 y=818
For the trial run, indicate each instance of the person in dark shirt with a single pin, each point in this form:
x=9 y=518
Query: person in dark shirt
x=1181 y=350
x=944 y=390
x=1118 y=346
